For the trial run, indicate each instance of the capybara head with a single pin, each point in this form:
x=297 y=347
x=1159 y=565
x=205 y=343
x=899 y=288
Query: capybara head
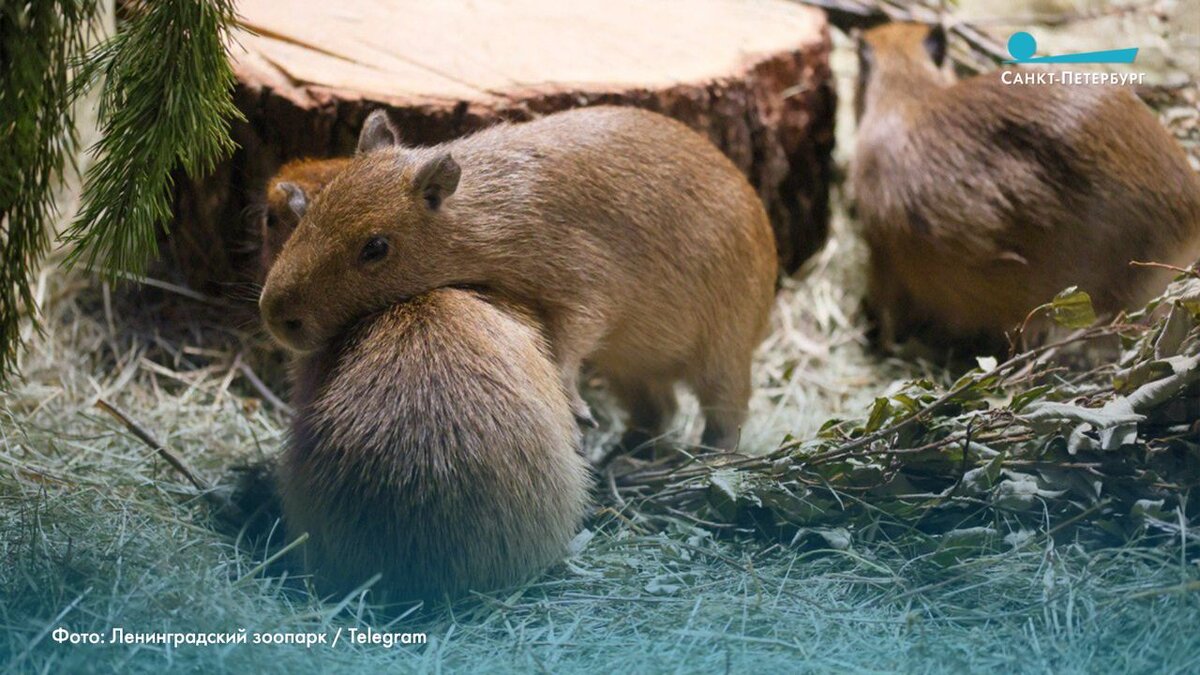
x=277 y=220
x=895 y=53
x=377 y=234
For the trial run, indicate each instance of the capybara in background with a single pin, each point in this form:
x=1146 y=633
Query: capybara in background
x=982 y=200
x=277 y=220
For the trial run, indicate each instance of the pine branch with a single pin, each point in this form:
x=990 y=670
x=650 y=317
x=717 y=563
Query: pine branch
x=167 y=102
x=39 y=43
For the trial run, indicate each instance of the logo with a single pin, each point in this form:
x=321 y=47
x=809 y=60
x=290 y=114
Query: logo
x=1022 y=47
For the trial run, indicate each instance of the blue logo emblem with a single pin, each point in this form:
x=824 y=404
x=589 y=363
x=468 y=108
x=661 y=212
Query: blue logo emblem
x=1022 y=46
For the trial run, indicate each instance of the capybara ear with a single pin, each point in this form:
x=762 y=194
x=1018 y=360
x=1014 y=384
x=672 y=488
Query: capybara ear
x=437 y=179
x=378 y=132
x=935 y=44
x=297 y=198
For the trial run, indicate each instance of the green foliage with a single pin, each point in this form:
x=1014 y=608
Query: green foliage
x=1072 y=308
x=1008 y=449
x=39 y=42
x=167 y=101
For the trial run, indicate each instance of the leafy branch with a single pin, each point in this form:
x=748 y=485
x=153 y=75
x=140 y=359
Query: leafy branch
x=1112 y=452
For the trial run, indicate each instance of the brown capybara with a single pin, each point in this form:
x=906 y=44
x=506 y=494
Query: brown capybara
x=295 y=180
x=981 y=200
x=277 y=220
x=447 y=431
x=638 y=245
x=433 y=444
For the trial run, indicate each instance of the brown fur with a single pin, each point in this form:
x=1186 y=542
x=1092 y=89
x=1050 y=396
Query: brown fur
x=278 y=221
x=475 y=482
x=433 y=444
x=981 y=201
x=635 y=241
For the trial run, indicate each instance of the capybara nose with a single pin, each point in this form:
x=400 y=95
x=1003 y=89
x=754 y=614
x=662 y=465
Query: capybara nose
x=270 y=308
x=280 y=317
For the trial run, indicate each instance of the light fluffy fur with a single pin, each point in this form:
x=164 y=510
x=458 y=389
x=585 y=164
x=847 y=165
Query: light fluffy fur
x=434 y=444
x=633 y=239
x=981 y=201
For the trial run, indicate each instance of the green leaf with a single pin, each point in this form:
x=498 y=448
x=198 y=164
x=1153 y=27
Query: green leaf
x=981 y=479
x=1019 y=401
x=1128 y=380
x=1072 y=308
x=727 y=490
x=1186 y=293
x=1049 y=414
x=879 y=414
x=910 y=404
x=830 y=428
x=1174 y=332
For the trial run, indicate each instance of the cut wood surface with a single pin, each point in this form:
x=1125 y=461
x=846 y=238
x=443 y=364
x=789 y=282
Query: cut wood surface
x=752 y=75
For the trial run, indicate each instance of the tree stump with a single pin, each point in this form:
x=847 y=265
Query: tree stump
x=752 y=76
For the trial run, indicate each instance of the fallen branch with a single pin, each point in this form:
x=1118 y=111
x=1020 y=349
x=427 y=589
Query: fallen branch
x=145 y=437
x=262 y=388
x=224 y=500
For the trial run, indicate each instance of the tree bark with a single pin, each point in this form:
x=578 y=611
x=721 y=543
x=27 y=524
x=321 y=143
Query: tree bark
x=753 y=77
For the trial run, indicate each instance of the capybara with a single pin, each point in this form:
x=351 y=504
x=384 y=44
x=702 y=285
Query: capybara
x=433 y=444
x=981 y=200
x=631 y=238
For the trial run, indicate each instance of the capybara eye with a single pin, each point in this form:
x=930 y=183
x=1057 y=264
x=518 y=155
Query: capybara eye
x=375 y=249
x=272 y=221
